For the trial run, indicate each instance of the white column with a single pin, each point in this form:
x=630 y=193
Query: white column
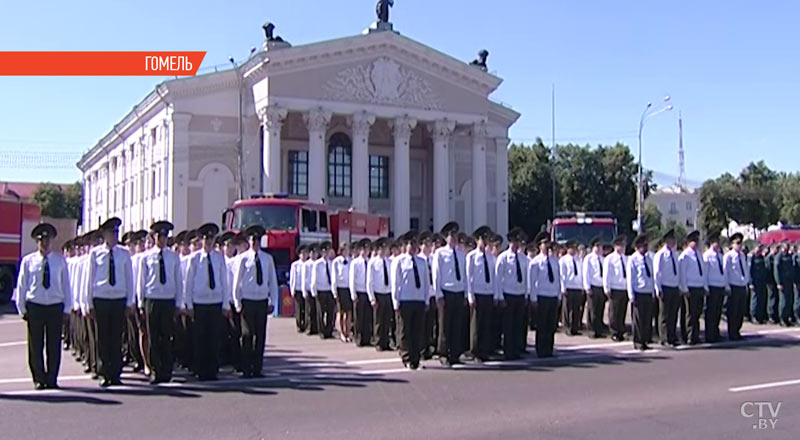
x=272 y=117
x=502 y=185
x=317 y=122
x=440 y=131
x=361 y=123
x=179 y=174
x=87 y=203
x=479 y=199
x=401 y=176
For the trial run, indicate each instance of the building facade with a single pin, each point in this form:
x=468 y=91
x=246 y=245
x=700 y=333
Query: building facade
x=375 y=122
x=677 y=204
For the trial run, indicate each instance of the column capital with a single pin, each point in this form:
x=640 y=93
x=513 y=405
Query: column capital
x=442 y=129
x=272 y=116
x=361 y=122
x=479 y=130
x=402 y=126
x=317 y=120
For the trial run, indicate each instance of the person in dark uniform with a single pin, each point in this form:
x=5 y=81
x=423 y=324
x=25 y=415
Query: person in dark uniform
x=358 y=289
x=784 y=279
x=796 y=315
x=773 y=300
x=640 y=292
x=449 y=277
x=410 y=291
x=44 y=300
x=759 y=276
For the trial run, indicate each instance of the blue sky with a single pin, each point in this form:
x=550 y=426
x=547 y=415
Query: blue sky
x=731 y=67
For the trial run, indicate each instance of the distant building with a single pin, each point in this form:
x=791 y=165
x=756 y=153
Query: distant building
x=678 y=204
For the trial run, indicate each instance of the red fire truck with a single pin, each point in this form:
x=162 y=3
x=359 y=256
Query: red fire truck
x=17 y=220
x=583 y=227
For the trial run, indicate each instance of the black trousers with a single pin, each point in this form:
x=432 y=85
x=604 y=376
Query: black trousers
x=572 y=305
x=383 y=320
x=694 y=308
x=758 y=304
x=233 y=338
x=326 y=313
x=254 y=334
x=44 y=335
x=513 y=323
x=617 y=312
x=481 y=344
x=787 y=303
x=713 y=312
x=311 y=315
x=497 y=328
x=597 y=304
x=363 y=320
x=773 y=304
x=411 y=331
x=132 y=346
x=183 y=341
x=160 y=316
x=110 y=321
x=655 y=326
x=737 y=302
x=431 y=327
x=668 y=320
x=642 y=307
x=92 y=354
x=547 y=322
x=207 y=333
x=450 y=326
x=300 y=311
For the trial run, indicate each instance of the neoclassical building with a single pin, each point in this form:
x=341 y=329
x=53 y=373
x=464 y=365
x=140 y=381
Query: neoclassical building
x=376 y=122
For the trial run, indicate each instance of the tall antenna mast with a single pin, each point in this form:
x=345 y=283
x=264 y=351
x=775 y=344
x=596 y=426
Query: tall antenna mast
x=681 y=160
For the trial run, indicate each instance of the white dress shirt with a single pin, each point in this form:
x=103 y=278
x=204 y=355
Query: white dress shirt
x=378 y=277
x=715 y=275
x=307 y=269
x=444 y=270
x=357 y=278
x=148 y=284
x=640 y=279
x=404 y=282
x=198 y=287
x=539 y=279
x=692 y=270
x=665 y=269
x=592 y=271
x=479 y=263
x=737 y=269
x=231 y=266
x=296 y=276
x=31 y=277
x=73 y=264
x=245 y=279
x=340 y=274
x=511 y=269
x=321 y=277
x=615 y=272
x=84 y=286
x=99 y=281
x=571 y=276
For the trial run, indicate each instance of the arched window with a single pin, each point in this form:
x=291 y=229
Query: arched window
x=339 y=166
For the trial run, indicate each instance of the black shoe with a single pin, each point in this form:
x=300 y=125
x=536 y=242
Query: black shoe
x=116 y=382
x=445 y=362
x=427 y=355
x=414 y=366
x=38 y=386
x=95 y=376
x=88 y=369
x=105 y=383
x=53 y=386
x=383 y=349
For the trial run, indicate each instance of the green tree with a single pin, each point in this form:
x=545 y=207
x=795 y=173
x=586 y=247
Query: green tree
x=530 y=186
x=56 y=202
x=651 y=218
x=758 y=190
x=789 y=198
x=73 y=200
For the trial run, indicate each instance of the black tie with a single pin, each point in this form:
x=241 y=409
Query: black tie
x=328 y=272
x=674 y=269
x=259 y=271
x=486 y=268
x=112 y=276
x=46 y=274
x=575 y=266
x=385 y=273
x=458 y=272
x=741 y=268
x=416 y=271
x=550 y=271
x=646 y=268
x=430 y=273
x=719 y=262
x=211 y=283
x=624 y=271
x=519 y=270
x=162 y=270
x=699 y=266
x=600 y=263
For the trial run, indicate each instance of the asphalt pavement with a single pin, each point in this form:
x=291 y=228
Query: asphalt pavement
x=595 y=389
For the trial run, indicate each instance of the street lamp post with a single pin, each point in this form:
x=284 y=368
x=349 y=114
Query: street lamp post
x=649 y=112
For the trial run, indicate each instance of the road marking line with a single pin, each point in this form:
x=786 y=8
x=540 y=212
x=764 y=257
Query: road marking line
x=13 y=344
x=373 y=361
x=771 y=331
x=28 y=379
x=590 y=346
x=762 y=386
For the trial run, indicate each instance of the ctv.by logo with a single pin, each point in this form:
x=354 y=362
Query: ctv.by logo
x=766 y=413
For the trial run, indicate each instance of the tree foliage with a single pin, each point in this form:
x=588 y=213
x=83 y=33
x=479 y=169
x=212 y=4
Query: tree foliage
x=60 y=203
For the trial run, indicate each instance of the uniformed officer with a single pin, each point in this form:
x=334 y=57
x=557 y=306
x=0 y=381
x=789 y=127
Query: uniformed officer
x=640 y=292
x=136 y=246
x=511 y=269
x=593 y=286
x=380 y=292
x=110 y=297
x=615 y=285
x=357 y=282
x=159 y=292
x=322 y=290
x=449 y=278
x=773 y=300
x=295 y=287
x=694 y=285
x=796 y=315
x=410 y=291
x=308 y=297
x=667 y=284
x=233 y=325
x=737 y=271
x=341 y=288
x=717 y=276
x=44 y=300
x=207 y=297
x=482 y=295
x=759 y=276
x=544 y=281
x=784 y=278
x=428 y=243
x=572 y=292
x=68 y=252
x=255 y=292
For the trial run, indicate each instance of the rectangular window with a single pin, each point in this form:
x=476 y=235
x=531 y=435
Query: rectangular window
x=153 y=185
x=323 y=221
x=309 y=220
x=379 y=177
x=688 y=206
x=673 y=208
x=298 y=173
x=153 y=134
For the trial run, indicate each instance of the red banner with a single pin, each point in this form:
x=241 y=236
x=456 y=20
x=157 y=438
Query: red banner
x=100 y=63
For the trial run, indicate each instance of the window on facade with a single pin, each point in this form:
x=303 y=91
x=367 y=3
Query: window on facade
x=131 y=194
x=379 y=177
x=298 y=173
x=673 y=208
x=309 y=220
x=339 y=160
x=689 y=223
x=688 y=206
x=124 y=200
x=153 y=134
x=153 y=185
x=323 y=221
x=99 y=197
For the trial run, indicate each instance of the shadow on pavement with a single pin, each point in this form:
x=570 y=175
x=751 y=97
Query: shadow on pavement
x=58 y=398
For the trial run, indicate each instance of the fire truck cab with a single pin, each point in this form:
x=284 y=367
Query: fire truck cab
x=583 y=227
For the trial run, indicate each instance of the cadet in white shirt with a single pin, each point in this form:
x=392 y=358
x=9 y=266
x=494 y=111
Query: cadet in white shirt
x=322 y=290
x=640 y=292
x=544 y=289
x=738 y=277
x=667 y=286
x=159 y=291
x=110 y=297
x=593 y=286
x=572 y=292
x=615 y=285
x=296 y=288
x=341 y=291
x=511 y=269
x=44 y=300
x=694 y=285
x=410 y=291
x=427 y=243
x=717 y=282
x=357 y=282
x=308 y=296
x=448 y=281
x=482 y=294
x=232 y=348
x=379 y=291
x=255 y=293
